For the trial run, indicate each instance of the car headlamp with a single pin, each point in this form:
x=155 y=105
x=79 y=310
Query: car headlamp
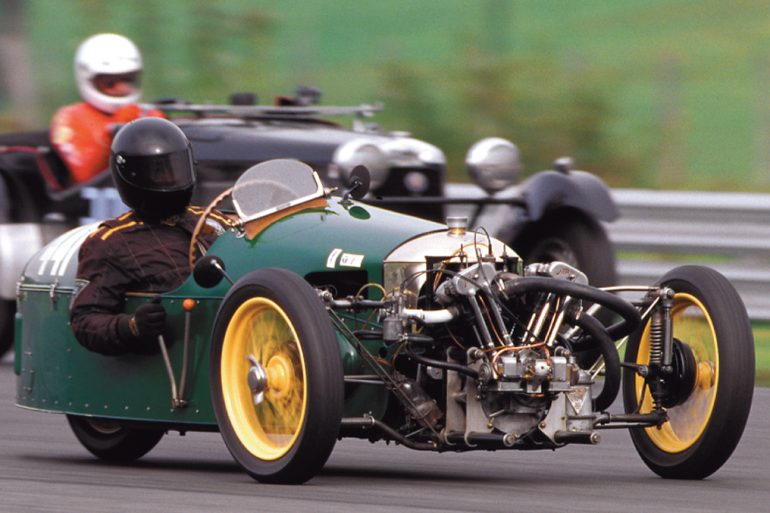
x=362 y=152
x=493 y=163
x=410 y=152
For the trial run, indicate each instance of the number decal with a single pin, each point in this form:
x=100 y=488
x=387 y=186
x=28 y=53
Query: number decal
x=346 y=260
x=351 y=260
x=331 y=260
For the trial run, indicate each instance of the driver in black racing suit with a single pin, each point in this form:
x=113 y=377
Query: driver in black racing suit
x=145 y=249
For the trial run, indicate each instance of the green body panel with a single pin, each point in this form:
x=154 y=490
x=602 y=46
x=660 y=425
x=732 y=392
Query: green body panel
x=56 y=374
x=304 y=242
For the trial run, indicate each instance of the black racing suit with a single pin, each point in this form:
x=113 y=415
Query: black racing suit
x=124 y=255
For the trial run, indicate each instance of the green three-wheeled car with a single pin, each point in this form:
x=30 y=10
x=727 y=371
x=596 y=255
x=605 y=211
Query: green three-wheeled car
x=316 y=317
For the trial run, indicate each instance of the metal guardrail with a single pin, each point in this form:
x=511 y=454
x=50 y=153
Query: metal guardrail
x=659 y=230
x=730 y=232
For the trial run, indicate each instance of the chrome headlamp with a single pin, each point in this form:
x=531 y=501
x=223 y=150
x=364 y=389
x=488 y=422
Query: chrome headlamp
x=378 y=156
x=361 y=152
x=493 y=163
x=409 y=152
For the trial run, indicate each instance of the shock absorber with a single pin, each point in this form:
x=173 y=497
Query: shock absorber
x=656 y=338
x=661 y=342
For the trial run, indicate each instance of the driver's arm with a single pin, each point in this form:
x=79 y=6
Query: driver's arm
x=79 y=135
x=97 y=317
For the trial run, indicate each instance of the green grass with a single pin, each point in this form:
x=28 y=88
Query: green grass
x=673 y=257
x=762 y=350
x=686 y=84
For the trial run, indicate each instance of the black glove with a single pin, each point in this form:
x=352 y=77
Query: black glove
x=149 y=320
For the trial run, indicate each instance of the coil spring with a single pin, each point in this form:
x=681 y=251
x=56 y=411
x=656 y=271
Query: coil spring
x=656 y=339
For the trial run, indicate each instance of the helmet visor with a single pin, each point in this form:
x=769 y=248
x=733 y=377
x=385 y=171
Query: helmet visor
x=165 y=172
x=117 y=85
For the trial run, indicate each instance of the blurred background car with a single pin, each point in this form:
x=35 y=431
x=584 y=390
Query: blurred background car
x=553 y=215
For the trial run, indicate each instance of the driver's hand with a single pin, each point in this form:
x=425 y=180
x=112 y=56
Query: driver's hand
x=149 y=319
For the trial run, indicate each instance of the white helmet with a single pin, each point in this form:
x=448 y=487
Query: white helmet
x=101 y=62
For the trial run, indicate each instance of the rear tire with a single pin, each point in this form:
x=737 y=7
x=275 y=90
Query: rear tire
x=110 y=440
x=710 y=395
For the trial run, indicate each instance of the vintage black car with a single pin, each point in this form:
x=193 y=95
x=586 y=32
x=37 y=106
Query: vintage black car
x=553 y=215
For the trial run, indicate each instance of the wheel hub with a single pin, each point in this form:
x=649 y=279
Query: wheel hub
x=279 y=376
x=686 y=373
x=104 y=426
x=706 y=375
x=257 y=379
x=275 y=377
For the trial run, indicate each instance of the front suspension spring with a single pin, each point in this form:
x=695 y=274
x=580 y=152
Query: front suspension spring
x=660 y=347
x=656 y=339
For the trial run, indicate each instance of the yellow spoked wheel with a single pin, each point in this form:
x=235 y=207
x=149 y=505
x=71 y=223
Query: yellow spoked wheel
x=276 y=377
x=686 y=421
x=263 y=378
x=707 y=397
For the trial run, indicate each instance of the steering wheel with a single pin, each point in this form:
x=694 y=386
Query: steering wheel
x=195 y=247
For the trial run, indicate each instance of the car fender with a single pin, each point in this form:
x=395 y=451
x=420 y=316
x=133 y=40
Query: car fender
x=537 y=196
x=577 y=189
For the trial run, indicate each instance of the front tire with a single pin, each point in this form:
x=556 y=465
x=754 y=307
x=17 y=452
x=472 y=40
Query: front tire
x=709 y=394
x=109 y=440
x=571 y=237
x=276 y=377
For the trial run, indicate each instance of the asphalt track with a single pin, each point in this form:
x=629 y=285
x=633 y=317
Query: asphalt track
x=44 y=469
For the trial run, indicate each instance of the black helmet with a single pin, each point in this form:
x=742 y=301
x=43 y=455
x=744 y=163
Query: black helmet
x=152 y=165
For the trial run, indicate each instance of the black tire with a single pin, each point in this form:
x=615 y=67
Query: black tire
x=709 y=405
x=571 y=237
x=275 y=317
x=109 y=440
x=7 y=307
x=7 y=314
x=5 y=203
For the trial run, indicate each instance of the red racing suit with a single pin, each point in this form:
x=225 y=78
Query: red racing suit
x=82 y=134
x=124 y=255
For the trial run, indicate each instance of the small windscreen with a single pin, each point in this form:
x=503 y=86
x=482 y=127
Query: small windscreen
x=274 y=185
